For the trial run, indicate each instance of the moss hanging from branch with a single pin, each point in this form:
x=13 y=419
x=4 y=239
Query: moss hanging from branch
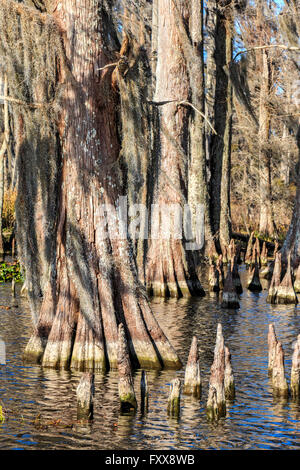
x=31 y=52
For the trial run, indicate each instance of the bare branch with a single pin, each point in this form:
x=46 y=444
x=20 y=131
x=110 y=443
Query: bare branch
x=268 y=46
x=184 y=103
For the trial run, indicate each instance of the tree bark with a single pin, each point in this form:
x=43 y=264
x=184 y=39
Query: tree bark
x=95 y=285
x=220 y=107
x=170 y=268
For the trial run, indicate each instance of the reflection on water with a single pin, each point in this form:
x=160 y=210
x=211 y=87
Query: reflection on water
x=41 y=405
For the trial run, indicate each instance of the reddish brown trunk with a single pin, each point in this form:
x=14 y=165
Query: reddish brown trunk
x=170 y=269
x=96 y=280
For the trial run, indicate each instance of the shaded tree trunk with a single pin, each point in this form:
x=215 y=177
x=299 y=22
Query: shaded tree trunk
x=219 y=109
x=135 y=86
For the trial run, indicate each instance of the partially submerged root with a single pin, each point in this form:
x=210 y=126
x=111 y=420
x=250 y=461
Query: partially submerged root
x=228 y=377
x=267 y=271
x=192 y=379
x=282 y=292
x=254 y=284
x=85 y=395
x=219 y=268
x=248 y=255
x=170 y=271
x=272 y=294
x=280 y=386
x=264 y=255
x=295 y=371
x=174 y=398
x=297 y=280
x=72 y=341
x=213 y=278
x=126 y=389
x=236 y=277
x=216 y=403
x=272 y=342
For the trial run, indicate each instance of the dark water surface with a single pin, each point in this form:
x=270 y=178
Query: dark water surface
x=41 y=404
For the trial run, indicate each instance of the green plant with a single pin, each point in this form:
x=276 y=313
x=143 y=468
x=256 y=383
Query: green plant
x=10 y=271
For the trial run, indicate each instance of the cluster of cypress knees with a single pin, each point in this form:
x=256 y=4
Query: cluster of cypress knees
x=281 y=290
x=221 y=383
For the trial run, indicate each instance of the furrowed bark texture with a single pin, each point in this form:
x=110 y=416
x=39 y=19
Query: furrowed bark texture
x=135 y=86
x=280 y=386
x=192 y=379
x=272 y=342
x=85 y=394
x=220 y=108
x=216 y=404
x=96 y=285
x=126 y=388
x=170 y=268
x=295 y=371
x=174 y=398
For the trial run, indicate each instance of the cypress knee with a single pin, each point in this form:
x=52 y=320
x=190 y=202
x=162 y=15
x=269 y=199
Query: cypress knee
x=272 y=294
x=192 y=378
x=213 y=278
x=295 y=371
x=264 y=255
x=229 y=298
x=254 y=284
x=267 y=271
x=280 y=386
x=144 y=392
x=256 y=252
x=219 y=268
x=174 y=398
x=285 y=291
x=231 y=251
x=126 y=390
x=272 y=342
x=248 y=255
x=85 y=395
x=216 y=404
x=228 y=378
x=297 y=280
x=236 y=277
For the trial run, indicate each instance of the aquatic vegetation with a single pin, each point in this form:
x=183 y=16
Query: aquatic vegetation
x=10 y=271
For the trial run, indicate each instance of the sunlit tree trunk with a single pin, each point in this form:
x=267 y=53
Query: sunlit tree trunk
x=170 y=268
x=266 y=222
x=94 y=285
x=198 y=193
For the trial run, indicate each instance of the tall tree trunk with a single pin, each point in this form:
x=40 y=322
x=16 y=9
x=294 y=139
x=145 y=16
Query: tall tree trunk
x=291 y=244
x=198 y=193
x=135 y=86
x=266 y=220
x=170 y=268
x=94 y=285
x=220 y=23
x=3 y=149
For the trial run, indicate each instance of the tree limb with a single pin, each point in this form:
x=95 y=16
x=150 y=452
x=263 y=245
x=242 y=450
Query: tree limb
x=268 y=46
x=184 y=103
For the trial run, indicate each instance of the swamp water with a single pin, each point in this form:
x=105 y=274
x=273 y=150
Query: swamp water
x=40 y=403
